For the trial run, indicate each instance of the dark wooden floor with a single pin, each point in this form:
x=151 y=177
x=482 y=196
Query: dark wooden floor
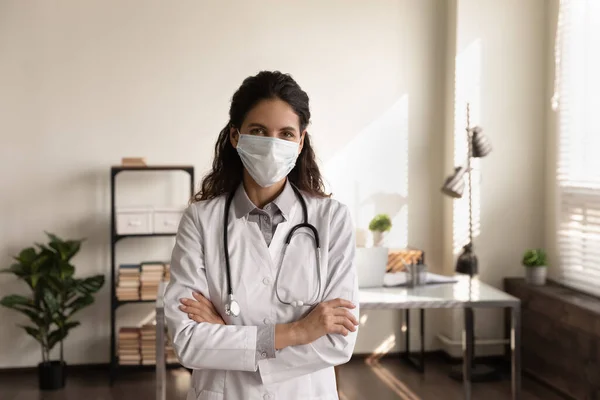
x=387 y=379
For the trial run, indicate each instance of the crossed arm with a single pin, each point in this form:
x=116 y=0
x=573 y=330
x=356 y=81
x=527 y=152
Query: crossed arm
x=329 y=317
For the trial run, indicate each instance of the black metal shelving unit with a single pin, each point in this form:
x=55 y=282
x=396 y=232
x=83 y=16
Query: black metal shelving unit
x=114 y=239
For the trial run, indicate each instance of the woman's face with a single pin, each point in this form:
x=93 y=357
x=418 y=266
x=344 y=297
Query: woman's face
x=272 y=118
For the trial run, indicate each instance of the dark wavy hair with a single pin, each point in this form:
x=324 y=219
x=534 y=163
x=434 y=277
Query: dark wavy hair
x=227 y=168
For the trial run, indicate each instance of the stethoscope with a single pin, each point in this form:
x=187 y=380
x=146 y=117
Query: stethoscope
x=232 y=307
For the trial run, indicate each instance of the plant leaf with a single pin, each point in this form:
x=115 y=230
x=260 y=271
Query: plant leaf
x=51 y=302
x=15 y=300
x=16 y=269
x=90 y=285
x=33 y=332
x=27 y=256
x=59 y=334
x=34 y=316
x=73 y=247
x=66 y=269
x=79 y=303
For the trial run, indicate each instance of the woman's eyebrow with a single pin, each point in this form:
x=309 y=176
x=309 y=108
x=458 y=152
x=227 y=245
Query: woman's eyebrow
x=256 y=125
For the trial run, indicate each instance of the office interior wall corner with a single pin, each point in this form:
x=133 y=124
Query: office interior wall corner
x=449 y=316
x=551 y=132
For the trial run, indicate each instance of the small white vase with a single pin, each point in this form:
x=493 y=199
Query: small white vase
x=535 y=275
x=378 y=238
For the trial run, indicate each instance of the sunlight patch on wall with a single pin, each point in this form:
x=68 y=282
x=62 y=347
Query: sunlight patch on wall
x=370 y=174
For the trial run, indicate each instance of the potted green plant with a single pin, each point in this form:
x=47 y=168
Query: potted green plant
x=56 y=295
x=534 y=261
x=371 y=261
x=379 y=225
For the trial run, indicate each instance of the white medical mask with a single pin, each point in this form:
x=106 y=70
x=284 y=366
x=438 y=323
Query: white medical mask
x=268 y=160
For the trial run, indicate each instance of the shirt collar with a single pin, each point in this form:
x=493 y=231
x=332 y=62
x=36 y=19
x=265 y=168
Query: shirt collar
x=243 y=206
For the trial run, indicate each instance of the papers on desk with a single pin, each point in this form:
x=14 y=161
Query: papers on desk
x=392 y=279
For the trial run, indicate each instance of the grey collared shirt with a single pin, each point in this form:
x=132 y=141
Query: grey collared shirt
x=267 y=220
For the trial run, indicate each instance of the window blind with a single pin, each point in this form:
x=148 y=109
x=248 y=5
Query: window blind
x=577 y=100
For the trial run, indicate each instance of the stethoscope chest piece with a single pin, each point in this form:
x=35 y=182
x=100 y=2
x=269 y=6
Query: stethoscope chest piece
x=232 y=308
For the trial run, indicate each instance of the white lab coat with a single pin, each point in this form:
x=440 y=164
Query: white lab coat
x=224 y=358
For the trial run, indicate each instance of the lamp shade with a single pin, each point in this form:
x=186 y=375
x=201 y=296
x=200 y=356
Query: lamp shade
x=454 y=186
x=481 y=144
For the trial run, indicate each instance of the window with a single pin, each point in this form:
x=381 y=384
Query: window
x=577 y=100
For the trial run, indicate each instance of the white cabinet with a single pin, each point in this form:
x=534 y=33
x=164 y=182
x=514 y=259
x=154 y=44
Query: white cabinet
x=148 y=220
x=134 y=220
x=166 y=220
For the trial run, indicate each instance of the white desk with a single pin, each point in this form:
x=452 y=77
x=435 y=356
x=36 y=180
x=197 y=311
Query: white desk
x=462 y=294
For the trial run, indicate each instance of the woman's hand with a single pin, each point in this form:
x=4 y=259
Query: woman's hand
x=201 y=310
x=331 y=316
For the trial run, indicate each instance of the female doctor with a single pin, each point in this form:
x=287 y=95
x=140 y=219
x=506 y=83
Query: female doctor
x=262 y=300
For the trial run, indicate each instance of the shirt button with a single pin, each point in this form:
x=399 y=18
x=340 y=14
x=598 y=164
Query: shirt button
x=267 y=321
x=268 y=207
x=263 y=354
x=267 y=280
x=265 y=218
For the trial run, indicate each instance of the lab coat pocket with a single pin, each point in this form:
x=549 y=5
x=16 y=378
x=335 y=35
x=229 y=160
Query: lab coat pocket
x=208 y=395
x=299 y=273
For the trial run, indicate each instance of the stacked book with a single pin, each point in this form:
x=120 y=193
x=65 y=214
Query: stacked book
x=167 y=276
x=129 y=346
x=152 y=274
x=128 y=287
x=148 y=344
x=171 y=357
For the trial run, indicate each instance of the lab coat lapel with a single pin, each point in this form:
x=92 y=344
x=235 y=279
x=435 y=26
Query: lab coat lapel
x=281 y=234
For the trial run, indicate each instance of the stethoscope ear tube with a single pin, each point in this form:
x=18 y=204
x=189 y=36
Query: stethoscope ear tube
x=226 y=244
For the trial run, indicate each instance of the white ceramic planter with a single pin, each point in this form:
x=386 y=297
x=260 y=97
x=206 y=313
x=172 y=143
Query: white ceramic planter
x=378 y=238
x=535 y=275
x=371 y=263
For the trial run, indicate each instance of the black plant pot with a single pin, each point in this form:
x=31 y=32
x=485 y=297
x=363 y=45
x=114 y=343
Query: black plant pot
x=52 y=375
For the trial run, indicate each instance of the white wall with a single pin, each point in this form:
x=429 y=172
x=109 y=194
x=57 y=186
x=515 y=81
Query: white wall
x=504 y=44
x=85 y=83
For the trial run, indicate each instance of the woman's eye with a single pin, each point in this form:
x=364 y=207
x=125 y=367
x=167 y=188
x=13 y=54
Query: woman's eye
x=257 y=131
x=288 y=135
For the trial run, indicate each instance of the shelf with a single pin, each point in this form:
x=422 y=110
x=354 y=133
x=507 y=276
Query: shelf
x=142 y=235
x=140 y=367
x=115 y=237
x=119 y=168
x=123 y=302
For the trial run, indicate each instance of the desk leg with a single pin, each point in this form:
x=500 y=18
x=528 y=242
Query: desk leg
x=422 y=327
x=407 y=334
x=468 y=344
x=160 y=356
x=419 y=363
x=515 y=346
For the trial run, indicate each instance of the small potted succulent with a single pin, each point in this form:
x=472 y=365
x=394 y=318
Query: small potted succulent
x=378 y=226
x=371 y=262
x=534 y=261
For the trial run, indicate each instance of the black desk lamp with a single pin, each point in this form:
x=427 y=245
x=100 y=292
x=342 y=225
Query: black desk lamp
x=478 y=147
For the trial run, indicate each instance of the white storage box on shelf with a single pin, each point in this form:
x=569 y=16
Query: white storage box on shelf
x=134 y=220
x=166 y=219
